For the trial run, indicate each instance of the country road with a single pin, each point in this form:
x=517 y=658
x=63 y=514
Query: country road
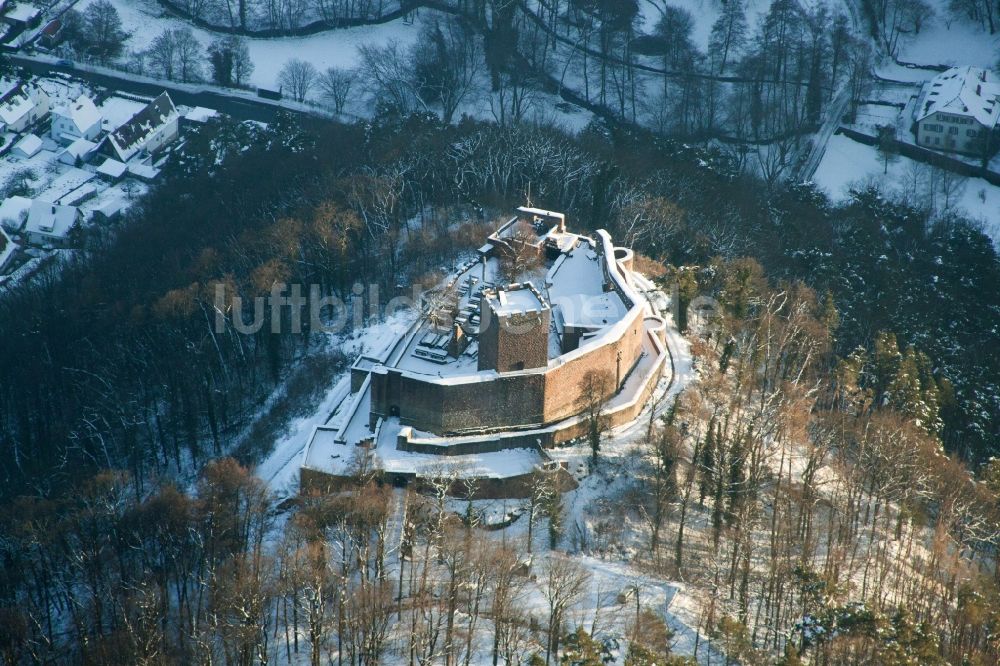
x=818 y=142
x=238 y=105
x=806 y=167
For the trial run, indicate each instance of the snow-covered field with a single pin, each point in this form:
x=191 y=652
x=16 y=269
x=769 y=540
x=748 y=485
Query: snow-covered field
x=950 y=42
x=144 y=20
x=848 y=163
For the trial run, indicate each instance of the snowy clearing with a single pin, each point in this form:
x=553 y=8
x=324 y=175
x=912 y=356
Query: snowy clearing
x=144 y=20
x=946 y=40
x=848 y=163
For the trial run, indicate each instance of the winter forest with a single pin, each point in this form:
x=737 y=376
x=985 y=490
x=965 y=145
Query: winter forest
x=815 y=478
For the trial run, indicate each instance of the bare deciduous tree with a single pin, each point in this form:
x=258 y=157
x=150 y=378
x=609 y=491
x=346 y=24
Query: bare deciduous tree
x=595 y=387
x=563 y=582
x=445 y=62
x=335 y=84
x=297 y=77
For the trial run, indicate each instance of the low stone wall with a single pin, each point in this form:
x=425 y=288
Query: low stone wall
x=503 y=401
x=315 y=482
x=530 y=439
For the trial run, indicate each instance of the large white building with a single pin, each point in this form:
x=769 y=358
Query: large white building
x=958 y=111
x=79 y=119
x=22 y=106
x=146 y=132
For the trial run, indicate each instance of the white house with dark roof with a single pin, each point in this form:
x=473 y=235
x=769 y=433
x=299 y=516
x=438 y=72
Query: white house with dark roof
x=79 y=119
x=22 y=106
x=148 y=131
x=958 y=111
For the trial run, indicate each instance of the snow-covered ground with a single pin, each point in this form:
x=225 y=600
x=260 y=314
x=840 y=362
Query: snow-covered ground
x=280 y=469
x=947 y=41
x=144 y=20
x=848 y=163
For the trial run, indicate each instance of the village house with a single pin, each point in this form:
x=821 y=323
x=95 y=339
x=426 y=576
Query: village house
x=22 y=106
x=28 y=146
x=52 y=34
x=77 y=152
x=79 y=119
x=111 y=170
x=146 y=132
x=496 y=368
x=50 y=224
x=21 y=14
x=958 y=110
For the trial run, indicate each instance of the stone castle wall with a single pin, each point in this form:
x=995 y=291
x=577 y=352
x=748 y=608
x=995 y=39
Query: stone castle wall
x=442 y=407
x=501 y=401
x=562 y=383
x=516 y=398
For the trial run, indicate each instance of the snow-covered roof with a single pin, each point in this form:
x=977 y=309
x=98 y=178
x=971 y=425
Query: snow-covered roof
x=143 y=171
x=79 y=195
x=29 y=145
x=80 y=147
x=11 y=211
x=111 y=207
x=81 y=112
x=128 y=139
x=22 y=12
x=50 y=219
x=200 y=114
x=517 y=299
x=117 y=110
x=68 y=180
x=962 y=91
x=112 y=167
x=16 y=103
